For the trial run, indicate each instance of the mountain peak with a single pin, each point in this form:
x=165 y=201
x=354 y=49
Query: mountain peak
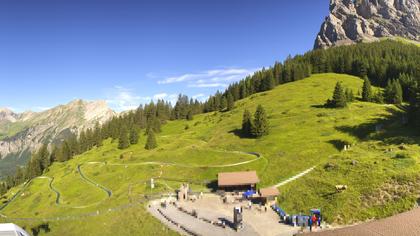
x=7 y=115
x=352 y=21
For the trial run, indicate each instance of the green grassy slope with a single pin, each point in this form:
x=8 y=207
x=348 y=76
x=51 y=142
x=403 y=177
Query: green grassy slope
x=110 y=200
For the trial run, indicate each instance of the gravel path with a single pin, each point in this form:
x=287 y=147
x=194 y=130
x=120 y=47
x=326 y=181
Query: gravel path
x=301 y=174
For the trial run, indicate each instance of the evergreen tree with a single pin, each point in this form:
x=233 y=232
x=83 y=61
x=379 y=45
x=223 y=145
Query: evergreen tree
x=260 y=125
x=415 y=109
x=349 y=95
x=97 y=136
x=339 y=99
x=378 y=98
x=393 y=92
x=123 y=140
x=151 y=141
x=366 y=90
x=33 y=169
x=44 y=157
x=190 y=115
x=246 y=123
x=3 y=188
x=223 y=103
x=230 y=102
x=134 y=136
x=64 y=153
x=268 y=82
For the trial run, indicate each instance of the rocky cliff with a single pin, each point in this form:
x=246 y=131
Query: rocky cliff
x=352 y=21
x=22 y=133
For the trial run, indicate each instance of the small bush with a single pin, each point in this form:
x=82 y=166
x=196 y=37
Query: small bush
x=402 y=156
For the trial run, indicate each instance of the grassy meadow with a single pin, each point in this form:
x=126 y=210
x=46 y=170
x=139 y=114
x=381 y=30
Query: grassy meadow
x=303 y=134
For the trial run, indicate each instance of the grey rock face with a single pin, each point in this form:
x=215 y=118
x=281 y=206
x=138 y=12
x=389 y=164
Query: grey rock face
x=34 y=129
x=352 y=21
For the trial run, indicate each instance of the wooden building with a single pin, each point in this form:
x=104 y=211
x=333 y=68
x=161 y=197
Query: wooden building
x=237 y=181
x=268 y=195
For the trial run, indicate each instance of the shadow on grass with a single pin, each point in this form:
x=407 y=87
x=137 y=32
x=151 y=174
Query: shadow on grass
x=391 y=129
x=37 y=229
x=327 y=195
x=319 y=106
x=338 y=144
x=240 y=134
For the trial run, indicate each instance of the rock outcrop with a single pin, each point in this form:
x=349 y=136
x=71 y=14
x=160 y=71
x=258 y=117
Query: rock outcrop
x=352 y=21
x=25 y=132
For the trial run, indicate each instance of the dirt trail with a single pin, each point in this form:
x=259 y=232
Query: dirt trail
x=301 y=174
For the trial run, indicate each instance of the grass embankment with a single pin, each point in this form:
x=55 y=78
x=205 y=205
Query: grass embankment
x=303 y=134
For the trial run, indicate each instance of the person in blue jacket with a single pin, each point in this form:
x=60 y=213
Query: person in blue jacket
x=310 y=223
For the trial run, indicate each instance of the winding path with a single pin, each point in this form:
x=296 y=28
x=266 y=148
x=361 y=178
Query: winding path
x=108 y=191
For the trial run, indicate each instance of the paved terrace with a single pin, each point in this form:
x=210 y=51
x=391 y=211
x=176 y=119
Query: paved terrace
x=257 y=222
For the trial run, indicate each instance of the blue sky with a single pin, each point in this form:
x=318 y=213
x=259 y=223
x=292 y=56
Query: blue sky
x=129 y=52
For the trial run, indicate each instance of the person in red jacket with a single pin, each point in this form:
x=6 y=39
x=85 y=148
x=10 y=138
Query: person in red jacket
x=314 y=220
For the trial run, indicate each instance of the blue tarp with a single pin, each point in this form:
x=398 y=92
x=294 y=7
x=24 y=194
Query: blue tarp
x=316 y=211
x=278 y=210
x=249 y=193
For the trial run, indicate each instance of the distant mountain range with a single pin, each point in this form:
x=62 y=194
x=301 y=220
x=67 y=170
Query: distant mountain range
x=20 y=134
x=353 y=21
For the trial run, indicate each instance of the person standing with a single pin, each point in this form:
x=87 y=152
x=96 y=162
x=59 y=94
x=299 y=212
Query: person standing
x=314 y=220
x=310 y=224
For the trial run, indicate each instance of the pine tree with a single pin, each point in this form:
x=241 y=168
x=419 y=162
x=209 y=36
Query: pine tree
x=43 y=156
x=223 y=103
x=393 y=92
x=415 y=109
x=246 y=123
x=230 y=102
x=33 y=168
x=366 y=90
x=268 y=82
x=123 y=140
x=190 y=115
x=349 y=95
x=378 y=97
x=134 y=136
x=260 y=125
x=339 y=99
x=151 y=141
x=3 y=188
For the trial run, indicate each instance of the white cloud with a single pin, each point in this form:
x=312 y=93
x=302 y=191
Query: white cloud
x=197 y=96
x=207 y=85
x=210 y=78
x=122 y=99
x=40 y=108
x=200 y=97
x=160 y=96
x=172 y=98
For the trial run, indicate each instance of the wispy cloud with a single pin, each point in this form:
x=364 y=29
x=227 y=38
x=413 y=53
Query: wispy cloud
x=200 y=97
x=207 y=85
x=122 y=99
x=40 y=108
x=210 y=78
x=172 y=98
x=160 y=96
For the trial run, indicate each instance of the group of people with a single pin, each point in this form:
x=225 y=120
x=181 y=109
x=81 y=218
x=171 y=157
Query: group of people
x=314 y=221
